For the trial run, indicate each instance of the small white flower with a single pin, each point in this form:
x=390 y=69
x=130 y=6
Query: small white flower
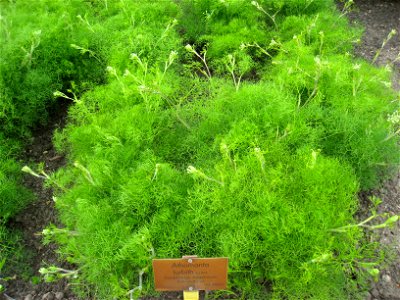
x=273 y=43
x=189 y=48
x=394 y=118
x=46 y=231
x=191 y=170
x=142 y=88
x=173 y=54
x=322 y=258
x=28 y=170
x=127 y=73
x=43 y=271
x=134 y=56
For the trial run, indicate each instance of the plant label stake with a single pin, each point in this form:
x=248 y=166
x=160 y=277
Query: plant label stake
x=188 y=295
x=190 y=274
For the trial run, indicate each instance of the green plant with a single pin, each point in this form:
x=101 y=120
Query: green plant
x=389 y=222
x=237 y=66
x=202 y=57
x=53 y=273
x=13 y=257
x=265 y=171
x=37 y=59
x=13 y=197
x=272 y=17
x=348 y=6
x=391 y=34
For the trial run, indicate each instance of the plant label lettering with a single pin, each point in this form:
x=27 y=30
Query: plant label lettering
x=190 y=274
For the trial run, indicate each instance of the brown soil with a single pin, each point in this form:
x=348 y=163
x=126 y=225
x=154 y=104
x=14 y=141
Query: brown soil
x=34 y=218
x=378 y=19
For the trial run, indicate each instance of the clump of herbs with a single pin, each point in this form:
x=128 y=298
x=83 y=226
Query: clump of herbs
x=244 y=127
x=265 y=173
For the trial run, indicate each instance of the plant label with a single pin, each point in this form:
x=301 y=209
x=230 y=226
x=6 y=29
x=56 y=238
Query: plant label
x=190 y=274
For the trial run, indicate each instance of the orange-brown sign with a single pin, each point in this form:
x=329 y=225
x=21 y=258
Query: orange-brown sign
x=190 y=274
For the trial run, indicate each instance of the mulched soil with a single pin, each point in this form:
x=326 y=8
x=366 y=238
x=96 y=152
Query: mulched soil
x=378 y=17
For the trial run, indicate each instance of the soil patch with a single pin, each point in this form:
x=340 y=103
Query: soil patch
x=37 y=216
x=388 y=285
x=379 y=18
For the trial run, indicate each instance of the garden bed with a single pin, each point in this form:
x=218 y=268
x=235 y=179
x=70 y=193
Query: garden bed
x=219 y=155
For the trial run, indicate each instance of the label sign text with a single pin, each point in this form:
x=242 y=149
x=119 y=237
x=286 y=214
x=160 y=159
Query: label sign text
x=190 y=274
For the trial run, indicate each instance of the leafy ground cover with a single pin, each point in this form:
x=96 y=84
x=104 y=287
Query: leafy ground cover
x=244 y=128
x=37 y=58
x=12 y=199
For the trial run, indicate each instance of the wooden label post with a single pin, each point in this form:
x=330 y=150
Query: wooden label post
x=190 y=274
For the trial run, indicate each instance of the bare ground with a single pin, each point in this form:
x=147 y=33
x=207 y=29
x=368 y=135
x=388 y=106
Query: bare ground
x=34 y=218
x=379 y=17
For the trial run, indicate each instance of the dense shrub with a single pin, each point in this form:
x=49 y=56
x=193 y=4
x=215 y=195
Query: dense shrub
x=339 y=99
x=12 y=199
x=260 y=172
x=38 y=59
x=254 y=32
x=251 y=142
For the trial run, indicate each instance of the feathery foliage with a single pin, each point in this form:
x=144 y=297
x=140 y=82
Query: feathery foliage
x=224 y=128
